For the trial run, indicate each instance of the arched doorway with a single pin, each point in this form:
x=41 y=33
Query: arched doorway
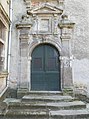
x=45 y=68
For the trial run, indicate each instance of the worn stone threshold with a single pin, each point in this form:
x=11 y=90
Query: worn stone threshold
x=77 y=104
x=69 y=112
x=28 y=97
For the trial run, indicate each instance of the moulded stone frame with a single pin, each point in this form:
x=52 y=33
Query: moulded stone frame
x=33 y=44
x=43 y=40
x=32 y=47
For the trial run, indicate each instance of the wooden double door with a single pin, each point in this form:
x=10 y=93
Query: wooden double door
x=45 y=69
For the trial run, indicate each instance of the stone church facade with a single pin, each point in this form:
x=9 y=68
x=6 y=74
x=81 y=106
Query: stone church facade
x=44 y=37
x=42 y=52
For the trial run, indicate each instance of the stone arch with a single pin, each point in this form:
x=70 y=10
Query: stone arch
x=36 y=43
x=33 y=45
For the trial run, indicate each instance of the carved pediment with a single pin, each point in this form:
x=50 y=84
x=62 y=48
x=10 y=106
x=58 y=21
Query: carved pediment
x=45 y=9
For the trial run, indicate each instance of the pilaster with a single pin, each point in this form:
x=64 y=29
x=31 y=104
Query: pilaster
x=66 y=28
x=23 y=55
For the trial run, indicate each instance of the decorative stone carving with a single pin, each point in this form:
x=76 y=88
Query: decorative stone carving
x=40 y=26
x=32 y=3
x=66 y=23
x=26 y=22
x=66 y=27
x=45 y=9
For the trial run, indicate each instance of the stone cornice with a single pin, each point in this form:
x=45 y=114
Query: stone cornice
x=65 y=37
x=67 y=25
x=19 y=26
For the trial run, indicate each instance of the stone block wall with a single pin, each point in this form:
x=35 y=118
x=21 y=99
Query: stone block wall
x=78 y=12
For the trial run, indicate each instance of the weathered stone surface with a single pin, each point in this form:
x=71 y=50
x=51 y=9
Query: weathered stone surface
x=3 y=107
x=78 y=12
x=69 y=109
x=70 y=114
x=47 y=98
x=47 y=105
x=43 y=19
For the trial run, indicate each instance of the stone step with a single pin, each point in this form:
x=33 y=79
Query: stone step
x=45 y=93
x=47 y=114
x=21 y=93
x=70 y=114
x=55 y=98
x=51 y=106
x=27 y=114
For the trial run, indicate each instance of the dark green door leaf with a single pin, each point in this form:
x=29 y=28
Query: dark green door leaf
x=45 y=69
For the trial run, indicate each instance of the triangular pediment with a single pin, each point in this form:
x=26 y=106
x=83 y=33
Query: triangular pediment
x=46 y=8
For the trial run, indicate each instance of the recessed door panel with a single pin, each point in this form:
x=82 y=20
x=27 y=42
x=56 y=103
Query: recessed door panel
x=45 y=69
